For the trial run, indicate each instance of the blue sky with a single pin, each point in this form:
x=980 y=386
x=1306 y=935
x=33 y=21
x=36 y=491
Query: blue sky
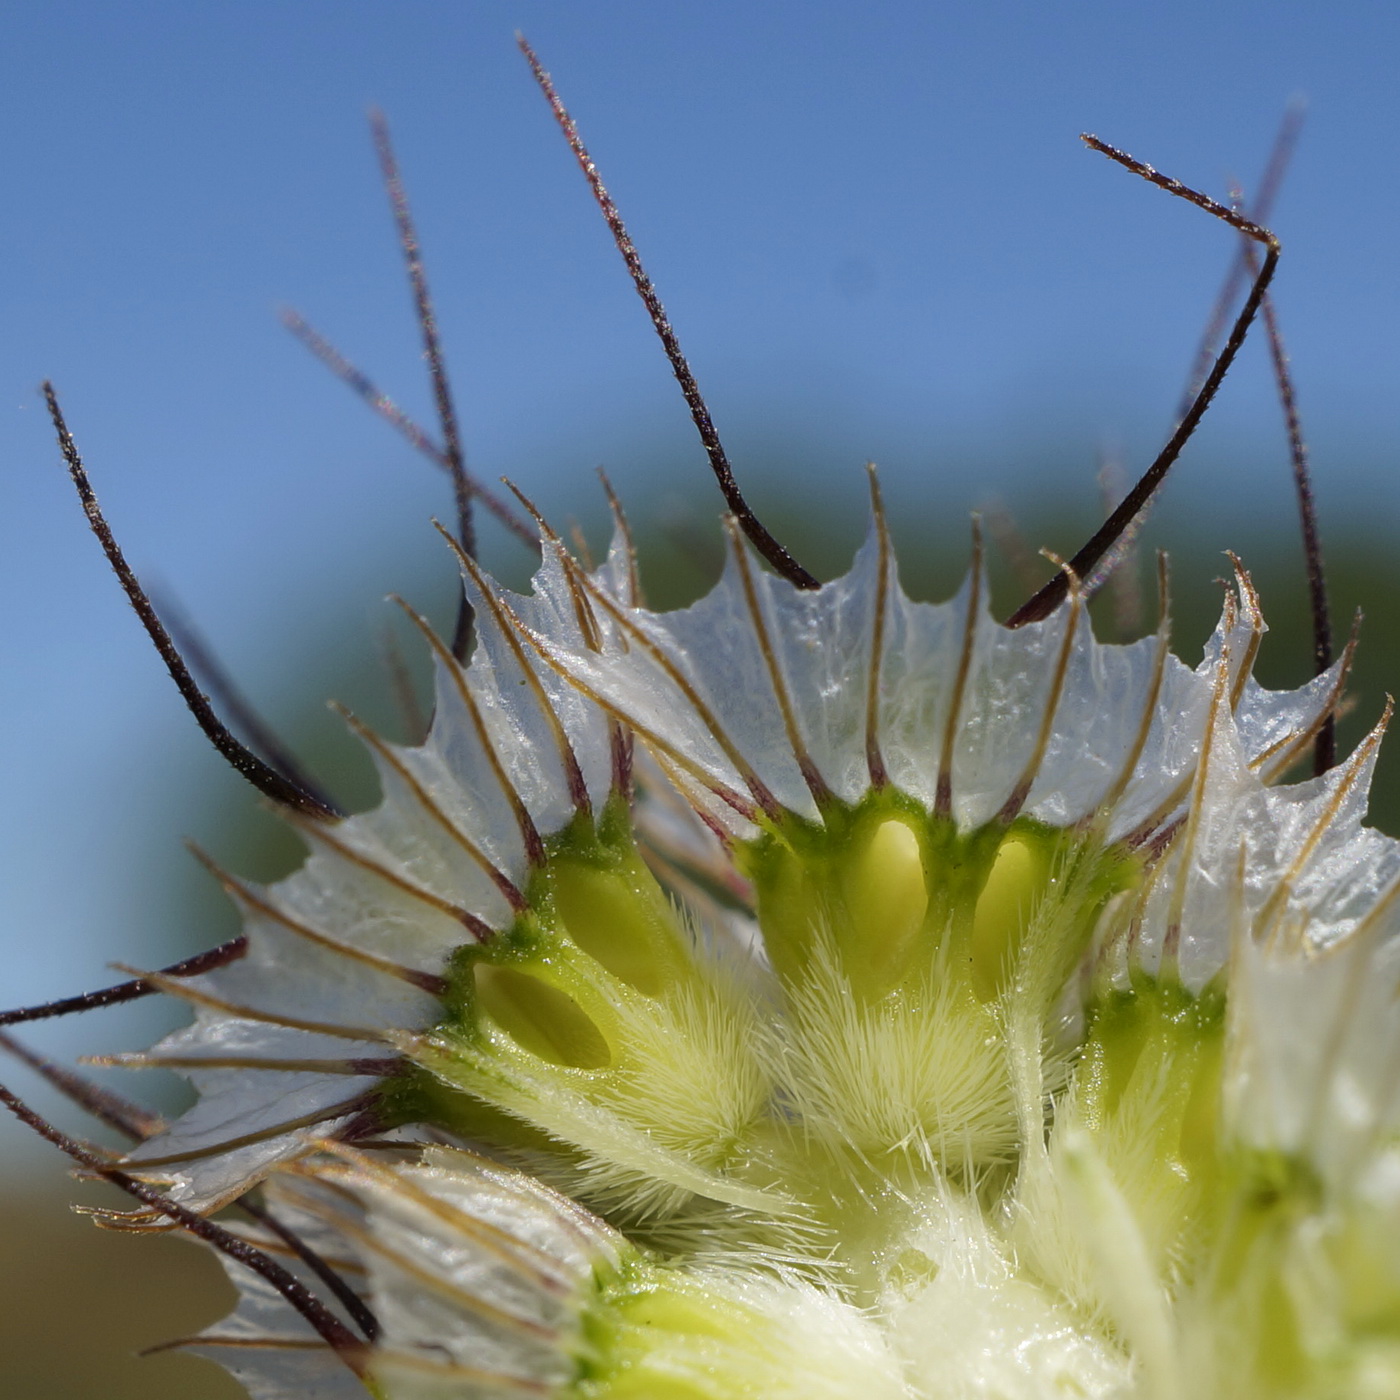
x=873 y=225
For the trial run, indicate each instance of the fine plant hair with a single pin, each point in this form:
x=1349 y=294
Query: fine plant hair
x=210 y=693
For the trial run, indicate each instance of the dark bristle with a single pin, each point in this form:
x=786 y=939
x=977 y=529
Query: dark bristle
x=1325 y=746
x=1325 y=749
x=1240 y=269
x=261 y=774
x=225 y=691
x=1043 y=603
x=758 y=535
x=365 y=388
x=351 y=1301
x=437 y=370
x=129 y=991
x=128 y=1118
x=328 y=1326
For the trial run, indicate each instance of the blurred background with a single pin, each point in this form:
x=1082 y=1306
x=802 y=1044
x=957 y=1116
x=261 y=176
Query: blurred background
x=879 y=238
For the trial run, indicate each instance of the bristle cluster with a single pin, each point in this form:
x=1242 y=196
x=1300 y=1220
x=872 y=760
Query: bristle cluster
x=975 y=1038
x=809 y=993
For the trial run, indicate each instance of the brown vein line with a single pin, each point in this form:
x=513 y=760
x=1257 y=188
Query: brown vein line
x=359 y=859
x=529 y=833
x=543 y=1268
x=1172 y=938
x=455 y=1370
x=503 y=617
x=811 y=775
x=1110 y=800
x=874 y=758
x=1017 y=798
x=677 y=677
x=723 y=791
x=943 y=797
x=1249 y=600
x=425 y=981
x=1293 y=744
x=445 y=1288
x=619 y=742
x=498 y=877
x=634 y=584
x=238 y=1343
x=173 y=987
x=583 y=613
x=141 y=1165
x=380 y=1067
x=1351 y=774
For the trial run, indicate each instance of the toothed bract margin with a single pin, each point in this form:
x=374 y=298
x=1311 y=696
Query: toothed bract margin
x=847 y=994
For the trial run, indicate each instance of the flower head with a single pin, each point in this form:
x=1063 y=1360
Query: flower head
x=811 y=992
x=972 y=1001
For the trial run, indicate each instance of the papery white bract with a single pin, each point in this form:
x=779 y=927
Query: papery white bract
x=926 y=1008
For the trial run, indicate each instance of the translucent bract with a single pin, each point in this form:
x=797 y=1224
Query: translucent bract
x=822 y=994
